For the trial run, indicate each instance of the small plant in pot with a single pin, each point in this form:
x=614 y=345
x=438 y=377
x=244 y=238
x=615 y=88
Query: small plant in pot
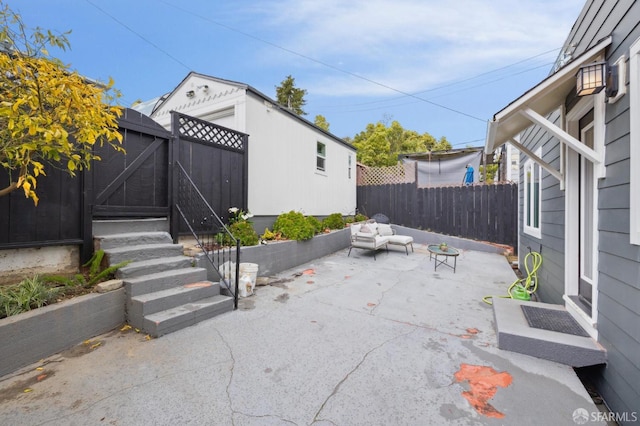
x=444 y=247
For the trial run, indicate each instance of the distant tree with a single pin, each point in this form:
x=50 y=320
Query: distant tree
x=373 y=146
x=379 y=144
x=288 y=95
x=47 y=112
x=321 y=122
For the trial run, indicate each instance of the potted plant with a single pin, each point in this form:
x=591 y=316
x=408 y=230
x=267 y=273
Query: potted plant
x=443 y=247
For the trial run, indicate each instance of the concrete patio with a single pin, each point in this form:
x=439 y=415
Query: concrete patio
x=337 y=341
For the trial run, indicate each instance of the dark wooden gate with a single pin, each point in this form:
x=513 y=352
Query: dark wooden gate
x=134 y=185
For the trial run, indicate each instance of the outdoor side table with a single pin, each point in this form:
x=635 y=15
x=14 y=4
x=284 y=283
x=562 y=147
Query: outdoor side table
x=435 y=252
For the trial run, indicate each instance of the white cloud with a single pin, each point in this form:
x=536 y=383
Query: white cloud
x=412 y=45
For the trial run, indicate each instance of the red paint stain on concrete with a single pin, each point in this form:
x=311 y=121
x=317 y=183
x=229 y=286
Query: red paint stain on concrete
x=483 y=382
x=309 y=272
x=197 y=285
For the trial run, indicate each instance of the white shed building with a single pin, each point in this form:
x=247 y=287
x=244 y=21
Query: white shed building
x=293 y=164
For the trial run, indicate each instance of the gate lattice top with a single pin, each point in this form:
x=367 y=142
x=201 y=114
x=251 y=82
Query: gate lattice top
x=195 y=128
x=400 y=173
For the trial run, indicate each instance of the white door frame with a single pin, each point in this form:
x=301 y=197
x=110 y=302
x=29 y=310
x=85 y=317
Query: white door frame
x=572 y=214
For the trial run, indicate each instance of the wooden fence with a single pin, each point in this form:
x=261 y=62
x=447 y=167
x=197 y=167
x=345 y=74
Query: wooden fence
x=479 y=212
x=135 y=185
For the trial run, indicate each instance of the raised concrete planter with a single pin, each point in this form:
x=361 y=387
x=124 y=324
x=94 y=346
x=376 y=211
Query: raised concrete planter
x=31 y=336
x=278 y=256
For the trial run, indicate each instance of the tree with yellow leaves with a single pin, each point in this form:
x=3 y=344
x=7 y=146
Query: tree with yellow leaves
x=49 y=114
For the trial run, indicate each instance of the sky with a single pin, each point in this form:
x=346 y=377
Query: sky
x=442 y=67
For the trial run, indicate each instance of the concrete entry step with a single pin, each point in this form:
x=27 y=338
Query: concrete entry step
x=150 y=266
x=135 y=253
x=150 y=303
x=516 y=335
x=118 y=226
x=186 y=315
x=163 y=280
x=131 y=238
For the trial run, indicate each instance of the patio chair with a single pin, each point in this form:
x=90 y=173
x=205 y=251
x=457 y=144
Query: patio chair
x=365 y=236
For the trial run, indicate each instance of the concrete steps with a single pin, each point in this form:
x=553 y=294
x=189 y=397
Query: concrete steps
x=515 y=334
x=164 y=291
x=185 y=315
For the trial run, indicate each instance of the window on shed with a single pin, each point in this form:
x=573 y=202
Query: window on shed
x=532 y=196
x=634 y=135
x=321 y=156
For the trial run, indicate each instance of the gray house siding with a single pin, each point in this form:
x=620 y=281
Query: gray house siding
x=551 y=245
x=618 y=260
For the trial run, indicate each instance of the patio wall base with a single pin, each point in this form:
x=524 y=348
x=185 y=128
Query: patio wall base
x=42 y=332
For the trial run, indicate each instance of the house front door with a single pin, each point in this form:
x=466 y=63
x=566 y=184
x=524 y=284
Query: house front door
x=586 y=220
x=581 y=222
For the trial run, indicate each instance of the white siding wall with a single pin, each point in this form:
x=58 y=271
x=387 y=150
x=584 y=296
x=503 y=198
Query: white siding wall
x=282 y=150
x=282 y=166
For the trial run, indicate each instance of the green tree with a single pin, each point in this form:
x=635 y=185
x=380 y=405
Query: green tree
x=288 y=95
x=379 y=144
x=48 y=113
x=373 y=146
x=321 y=122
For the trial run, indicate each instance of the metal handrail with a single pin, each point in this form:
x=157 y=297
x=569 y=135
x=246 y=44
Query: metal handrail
x=212 y=235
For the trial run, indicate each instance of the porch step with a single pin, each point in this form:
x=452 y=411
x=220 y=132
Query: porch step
x=515 y=334
x=110 y=241
x=145 y=267
x=151 y=303
x=163 y=280
x=135 y=253
x=118 y=226
x=186 y=315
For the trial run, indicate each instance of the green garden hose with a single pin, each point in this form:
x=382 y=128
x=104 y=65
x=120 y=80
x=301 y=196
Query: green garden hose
x=523 y=288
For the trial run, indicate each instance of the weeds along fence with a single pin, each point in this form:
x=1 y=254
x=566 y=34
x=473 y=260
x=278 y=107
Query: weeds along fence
x=479 y=212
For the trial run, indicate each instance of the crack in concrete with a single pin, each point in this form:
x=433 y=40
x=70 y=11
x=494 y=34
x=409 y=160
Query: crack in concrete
x=353 y=370
x=384 y=292
x=233 y=365
x=265 y=416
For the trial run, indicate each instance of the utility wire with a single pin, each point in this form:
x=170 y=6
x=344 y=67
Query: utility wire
x=140 y=35
x=405 y=94
x=321 y=62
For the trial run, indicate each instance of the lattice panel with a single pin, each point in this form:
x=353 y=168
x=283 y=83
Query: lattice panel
x=208 y=132
x=400 y=173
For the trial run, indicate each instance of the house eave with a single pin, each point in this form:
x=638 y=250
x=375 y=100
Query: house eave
x=541 y=100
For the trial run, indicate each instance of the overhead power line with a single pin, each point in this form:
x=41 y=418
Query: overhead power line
x=309 y=58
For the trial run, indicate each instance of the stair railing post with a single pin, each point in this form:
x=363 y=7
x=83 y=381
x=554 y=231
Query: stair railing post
x=174 y=156
x=235 y=293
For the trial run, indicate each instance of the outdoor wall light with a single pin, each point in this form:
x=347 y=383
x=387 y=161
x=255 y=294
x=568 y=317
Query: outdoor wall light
x=592 y=78
x=191 y=94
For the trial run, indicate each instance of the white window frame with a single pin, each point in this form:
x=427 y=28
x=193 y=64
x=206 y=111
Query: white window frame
x=321 y=157
x=528 y=208
x=634 y=140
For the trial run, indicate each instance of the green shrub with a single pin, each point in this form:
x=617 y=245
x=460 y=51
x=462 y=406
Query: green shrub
x=333 y=221
x=95 y=273
x=294 y=226
x=360 y=218
x=315 y=222
x=244 y=232
x=30 y=293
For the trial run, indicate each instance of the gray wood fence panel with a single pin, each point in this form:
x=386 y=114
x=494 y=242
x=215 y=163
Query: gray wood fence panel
x=481 y=212
x=56 y=220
